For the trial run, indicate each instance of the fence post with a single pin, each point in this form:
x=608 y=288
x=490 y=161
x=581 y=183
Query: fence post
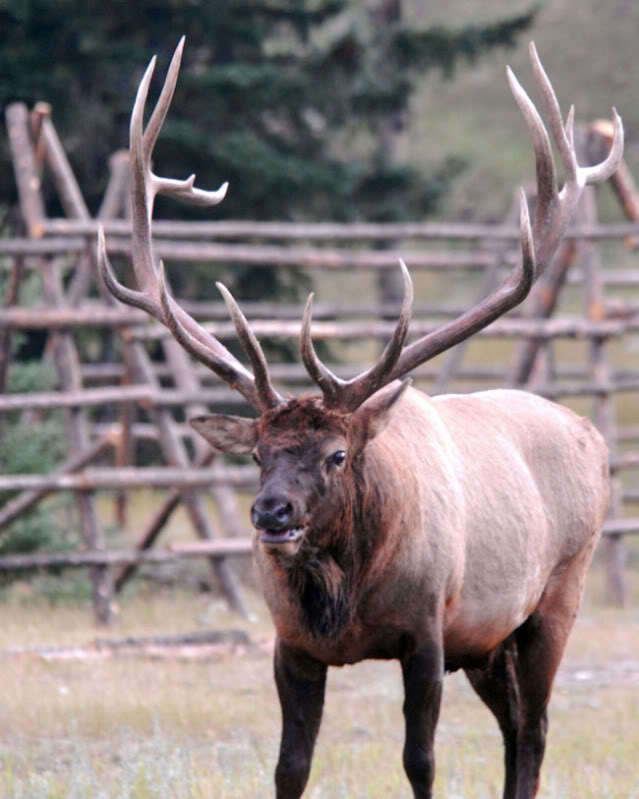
x=64 y=351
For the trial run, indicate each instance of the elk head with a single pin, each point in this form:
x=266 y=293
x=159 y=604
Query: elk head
x=307 y=448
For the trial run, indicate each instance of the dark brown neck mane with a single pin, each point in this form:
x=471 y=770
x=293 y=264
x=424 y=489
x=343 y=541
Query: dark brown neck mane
x=329 y=574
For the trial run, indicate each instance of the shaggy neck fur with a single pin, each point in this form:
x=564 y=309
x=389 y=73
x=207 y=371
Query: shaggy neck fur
x=344 y=543
x=329 y=574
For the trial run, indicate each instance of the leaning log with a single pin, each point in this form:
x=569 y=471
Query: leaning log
x=220 y=548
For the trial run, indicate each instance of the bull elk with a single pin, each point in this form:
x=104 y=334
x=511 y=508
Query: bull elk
x=447 y=532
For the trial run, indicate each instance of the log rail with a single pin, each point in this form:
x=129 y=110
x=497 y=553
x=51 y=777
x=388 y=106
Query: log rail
x=62 y=252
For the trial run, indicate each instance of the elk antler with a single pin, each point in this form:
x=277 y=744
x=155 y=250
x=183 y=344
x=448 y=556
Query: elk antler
x=349 y=394
x=553 y=212
x=153 y=296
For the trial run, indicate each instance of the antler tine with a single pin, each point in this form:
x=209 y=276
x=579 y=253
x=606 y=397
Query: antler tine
x=156 y=121
x=145 y=139
x=153 y=296
x=607 y=168
x=329 y=383
x=359 y=389
x=267 y=396
x=554 y=210
x=349 y=395
x=544 y=162
x=564 y=145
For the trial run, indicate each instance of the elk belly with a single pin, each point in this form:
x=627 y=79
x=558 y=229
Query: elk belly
x=475 y=625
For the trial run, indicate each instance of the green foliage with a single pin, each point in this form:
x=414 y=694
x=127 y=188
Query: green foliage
x=265 y=89
x=31 y=446
x=30 y=376
x=441 y=47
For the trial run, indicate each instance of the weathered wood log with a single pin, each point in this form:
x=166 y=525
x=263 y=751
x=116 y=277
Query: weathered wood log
x=307 y=257
x=329 y=231
x=25 y=169
x=628 y=433
x=154 y=528
x=622 y=182
x=176 y=454
x=77 y=398
x=133 y=477
x=620 y=527
x=63 y=347
x=296 y=374
x=563 y=327
x=163 y=398
x=627 y=460
x=244 y=477
x=603 y=408
x=221 y=548
x=593 y=388
x=92 y=315
x=98 y=315
x=180 y=645
x=38 y=247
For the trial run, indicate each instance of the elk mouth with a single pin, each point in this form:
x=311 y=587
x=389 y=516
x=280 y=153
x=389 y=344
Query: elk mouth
x=286 y=541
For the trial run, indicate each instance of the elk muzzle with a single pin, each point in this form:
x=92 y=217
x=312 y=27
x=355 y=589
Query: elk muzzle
x=278 y=521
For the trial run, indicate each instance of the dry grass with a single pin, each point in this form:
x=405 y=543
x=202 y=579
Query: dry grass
x=136 y=728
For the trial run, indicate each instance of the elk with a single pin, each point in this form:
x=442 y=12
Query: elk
x=447 y=532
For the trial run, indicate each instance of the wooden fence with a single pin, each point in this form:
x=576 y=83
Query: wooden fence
x=457 y=262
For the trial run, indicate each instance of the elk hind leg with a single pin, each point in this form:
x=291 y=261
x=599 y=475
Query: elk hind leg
x=497 y=685
x=541 y=641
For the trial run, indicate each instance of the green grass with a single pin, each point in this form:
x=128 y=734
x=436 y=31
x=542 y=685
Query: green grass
x=185 y=728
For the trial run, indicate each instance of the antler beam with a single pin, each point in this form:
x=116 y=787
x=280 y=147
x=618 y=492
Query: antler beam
x=554 y=210
x=153 y=295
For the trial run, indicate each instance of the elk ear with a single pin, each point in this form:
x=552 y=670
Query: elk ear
x=373 y=415
x=235 y=435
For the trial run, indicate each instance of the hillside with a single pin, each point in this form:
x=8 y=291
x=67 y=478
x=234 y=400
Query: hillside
x=589 y=49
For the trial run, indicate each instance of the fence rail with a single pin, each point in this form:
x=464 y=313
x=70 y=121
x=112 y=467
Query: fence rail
x=150 y=398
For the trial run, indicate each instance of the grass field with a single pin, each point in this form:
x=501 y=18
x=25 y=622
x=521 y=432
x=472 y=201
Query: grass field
x=187 y=727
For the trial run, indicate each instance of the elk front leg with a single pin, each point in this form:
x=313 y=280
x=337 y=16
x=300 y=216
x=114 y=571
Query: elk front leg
x=300 y=681
x=423 y=674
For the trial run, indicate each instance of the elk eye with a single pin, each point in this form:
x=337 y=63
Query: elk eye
x=256 y=458
x=337 y=458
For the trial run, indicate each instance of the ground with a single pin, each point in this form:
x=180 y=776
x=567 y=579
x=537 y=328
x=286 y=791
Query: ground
x=194 y=724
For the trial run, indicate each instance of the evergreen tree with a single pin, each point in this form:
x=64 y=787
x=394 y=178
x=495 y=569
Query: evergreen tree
x=285 y=99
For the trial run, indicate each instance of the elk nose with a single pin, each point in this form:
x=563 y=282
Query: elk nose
x=272 y=513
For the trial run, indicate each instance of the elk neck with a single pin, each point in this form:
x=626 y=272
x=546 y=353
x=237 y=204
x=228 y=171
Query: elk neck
x=348 y=540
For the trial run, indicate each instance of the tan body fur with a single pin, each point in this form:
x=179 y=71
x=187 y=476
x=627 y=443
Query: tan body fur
x=492 y=497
